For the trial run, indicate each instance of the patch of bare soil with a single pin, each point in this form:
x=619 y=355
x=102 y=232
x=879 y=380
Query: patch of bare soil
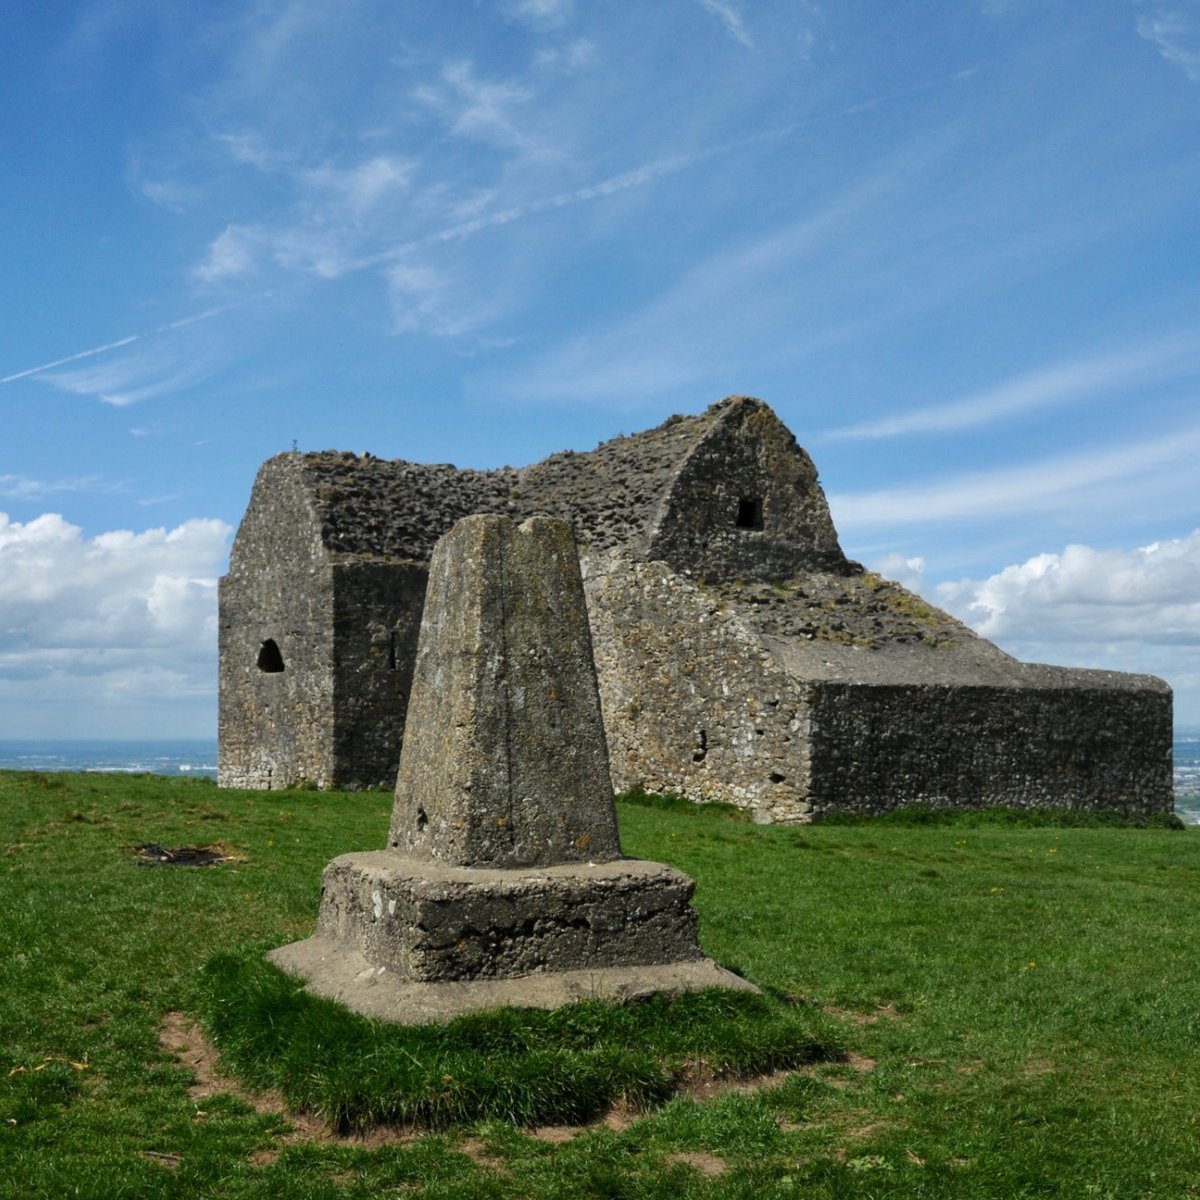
x=180 y=1037
x=881 y=1012
x=697 y=1082
x=707 y=1164
x=1039 y=1066
x=859 y=1063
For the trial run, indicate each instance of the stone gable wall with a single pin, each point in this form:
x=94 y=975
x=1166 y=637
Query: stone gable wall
x=276 y=725
x=746 y=505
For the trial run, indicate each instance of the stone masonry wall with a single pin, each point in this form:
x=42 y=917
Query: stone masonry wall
x=276 y=645
x=746 y=504
x=1100 y=747
x=692 y=704
x=377 y=610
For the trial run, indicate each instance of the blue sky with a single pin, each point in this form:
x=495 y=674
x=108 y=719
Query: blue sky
x=955 y=245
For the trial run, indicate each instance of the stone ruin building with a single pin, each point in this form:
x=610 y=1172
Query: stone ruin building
x=741 y=656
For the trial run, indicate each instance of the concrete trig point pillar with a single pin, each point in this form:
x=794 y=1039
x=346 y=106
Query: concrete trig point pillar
x=503 y=881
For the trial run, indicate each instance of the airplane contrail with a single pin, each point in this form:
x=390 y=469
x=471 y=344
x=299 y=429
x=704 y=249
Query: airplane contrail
x=125 y=341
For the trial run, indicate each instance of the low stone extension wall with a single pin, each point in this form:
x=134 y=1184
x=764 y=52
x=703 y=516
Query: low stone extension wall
x=1102 y=748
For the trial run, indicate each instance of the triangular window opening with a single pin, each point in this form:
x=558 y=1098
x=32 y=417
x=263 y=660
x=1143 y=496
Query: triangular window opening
x=750 y=512
x=269 y=658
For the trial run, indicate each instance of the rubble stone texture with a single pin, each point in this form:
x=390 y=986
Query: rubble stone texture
x=503 y=882
x=741 y=656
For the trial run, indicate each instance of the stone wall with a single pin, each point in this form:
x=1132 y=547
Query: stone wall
x=696 y=704
x=276 y=644
x=746 y=504
x=692 y=703
x=1088 y=740
x=741 y=656
x=377 y=610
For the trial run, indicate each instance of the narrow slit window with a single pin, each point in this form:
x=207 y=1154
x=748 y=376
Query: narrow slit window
x=270 y=660
x=750 y=512
x=393 y=655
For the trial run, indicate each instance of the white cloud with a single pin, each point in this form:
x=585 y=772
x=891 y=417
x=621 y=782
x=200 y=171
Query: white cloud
x=234 y=252
x=21 y=487
x=574 y=56
x=119 y=619
x=358 y=190
x=1176 y=33
x=479 y=109
x=249 y=147
x=1123 y=610
x=540 y=14
x=132 y=378
x=1062 y=383
x=434 y=301
x=726 y=12
x=724 y=317
x=172 y=196
x=909 y=572
x=1150 y=594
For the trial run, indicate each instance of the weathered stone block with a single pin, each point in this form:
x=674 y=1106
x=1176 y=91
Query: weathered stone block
x=426 y=921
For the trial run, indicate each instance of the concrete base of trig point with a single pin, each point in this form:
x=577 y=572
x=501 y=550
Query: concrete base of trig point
x=503 y=881
x=412 y=942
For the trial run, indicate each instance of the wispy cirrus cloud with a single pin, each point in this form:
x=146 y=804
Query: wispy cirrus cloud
x=1050 y=485
x=21 y=487
x=133 y=378
x=539 y=14
x=726 y=316
x=1175 y=32
x=482 y=110
x=1052 y=386
x=731 y=19
x=108 y=347
x=422 y=295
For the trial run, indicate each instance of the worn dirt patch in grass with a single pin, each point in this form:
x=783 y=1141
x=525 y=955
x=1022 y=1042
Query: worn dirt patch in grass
x=698 y=1082
x=481 y=1156
x=183 y=1039
x=708 y=1165
x=881 y=1012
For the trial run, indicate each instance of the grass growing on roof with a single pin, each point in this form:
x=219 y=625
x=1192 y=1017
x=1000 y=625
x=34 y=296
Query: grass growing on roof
x=1017 y=1004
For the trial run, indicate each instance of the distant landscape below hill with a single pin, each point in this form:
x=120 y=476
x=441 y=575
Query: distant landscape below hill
x=198 y=758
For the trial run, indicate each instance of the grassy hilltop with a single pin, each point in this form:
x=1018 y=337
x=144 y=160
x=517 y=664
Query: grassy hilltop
x=963 y=1010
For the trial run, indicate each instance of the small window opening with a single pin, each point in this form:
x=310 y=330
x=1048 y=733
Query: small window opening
x=392 y=655
x=422 y=819
x=701 y=751
x=750 y=512
x=269 y=658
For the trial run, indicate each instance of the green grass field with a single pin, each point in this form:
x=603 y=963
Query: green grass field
x=970 y=1010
